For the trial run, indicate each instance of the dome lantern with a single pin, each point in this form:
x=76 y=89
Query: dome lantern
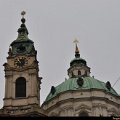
x=78 y=66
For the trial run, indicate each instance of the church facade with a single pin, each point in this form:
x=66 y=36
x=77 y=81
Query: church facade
x=79 y=95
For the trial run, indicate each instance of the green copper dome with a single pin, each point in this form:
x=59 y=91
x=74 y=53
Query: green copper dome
x=71 y=84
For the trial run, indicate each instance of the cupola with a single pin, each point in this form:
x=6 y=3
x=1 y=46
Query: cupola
x=78 y=66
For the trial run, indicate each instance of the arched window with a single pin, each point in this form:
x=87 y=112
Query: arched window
x=83 y=114
x=79 y=72
x=20 y=87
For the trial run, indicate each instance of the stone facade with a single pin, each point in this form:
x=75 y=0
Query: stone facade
x=30 y=73
x=91 y=103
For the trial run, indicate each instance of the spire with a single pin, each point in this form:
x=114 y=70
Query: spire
x=22 y=31
x=77 y=54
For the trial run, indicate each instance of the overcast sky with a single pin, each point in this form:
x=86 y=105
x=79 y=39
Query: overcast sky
x=53 y=25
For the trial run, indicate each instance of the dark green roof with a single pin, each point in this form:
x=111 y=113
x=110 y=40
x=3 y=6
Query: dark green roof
x=21 y=41
x=71 y=84
x=78 y=60
x=22 y=45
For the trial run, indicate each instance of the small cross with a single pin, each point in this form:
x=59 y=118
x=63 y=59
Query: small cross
x=23 y=13
x=76 y=48
x=76 y=41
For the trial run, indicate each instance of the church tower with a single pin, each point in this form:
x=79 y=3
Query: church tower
x=22 y=81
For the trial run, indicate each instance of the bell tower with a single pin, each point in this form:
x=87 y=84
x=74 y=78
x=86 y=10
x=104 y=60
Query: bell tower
x=22 y=81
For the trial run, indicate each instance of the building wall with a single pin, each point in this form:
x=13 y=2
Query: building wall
x=30 y=73
x=93 y=103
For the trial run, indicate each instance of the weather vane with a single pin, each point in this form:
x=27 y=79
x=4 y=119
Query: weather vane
x=23 y=13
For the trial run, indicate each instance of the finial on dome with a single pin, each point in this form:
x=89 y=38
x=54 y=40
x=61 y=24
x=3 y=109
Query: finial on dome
x=23 y=19
x=22 y=30
x=23 y=13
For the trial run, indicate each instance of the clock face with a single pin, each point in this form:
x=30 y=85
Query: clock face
x=20 y=62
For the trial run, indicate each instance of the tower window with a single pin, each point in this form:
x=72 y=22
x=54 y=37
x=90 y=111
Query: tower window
x=79 y=72
x=20 y=87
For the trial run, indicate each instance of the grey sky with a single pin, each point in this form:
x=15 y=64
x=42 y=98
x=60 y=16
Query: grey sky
x=53 y=25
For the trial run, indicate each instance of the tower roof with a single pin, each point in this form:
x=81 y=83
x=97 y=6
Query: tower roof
x=22 y=32
x=22 y=45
